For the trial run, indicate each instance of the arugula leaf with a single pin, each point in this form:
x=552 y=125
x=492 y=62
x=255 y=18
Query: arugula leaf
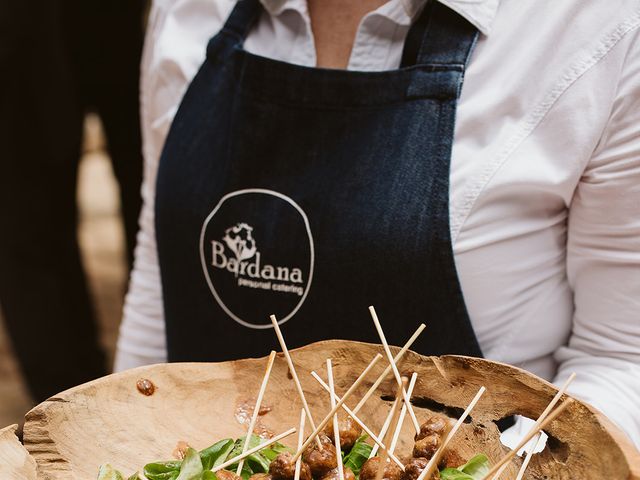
x=454 y=474
x=474 y=469
x=162 y=470
x=107 y=472
x=259 y=461
x=191 y=468
x=216 y=453
x=477 y=467
x=358 y=455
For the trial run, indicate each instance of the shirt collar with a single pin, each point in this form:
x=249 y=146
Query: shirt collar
x=480 y=13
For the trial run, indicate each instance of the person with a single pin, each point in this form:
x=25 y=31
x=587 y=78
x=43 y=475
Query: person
x=61 y=60
x=310 y=158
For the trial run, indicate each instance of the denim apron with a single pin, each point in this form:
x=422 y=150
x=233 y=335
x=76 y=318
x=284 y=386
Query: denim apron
x=311 y=194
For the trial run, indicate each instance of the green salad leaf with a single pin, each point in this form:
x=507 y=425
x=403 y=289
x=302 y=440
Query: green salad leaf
x=474 y=469
x=191 y=468
x=107 y=472
x=259 y=461
x=162 y=470
x=358 y=455
x=215 y=455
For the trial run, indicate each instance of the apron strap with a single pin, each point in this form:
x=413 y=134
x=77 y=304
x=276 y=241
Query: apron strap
x=242 y=17
x=439 y=36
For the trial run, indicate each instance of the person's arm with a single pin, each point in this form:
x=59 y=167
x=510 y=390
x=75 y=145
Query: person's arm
x=175 y=43
x=603 y=264
x=142 y=337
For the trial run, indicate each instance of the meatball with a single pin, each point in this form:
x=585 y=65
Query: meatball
x=370 y=470
x=349 y=432
x=227 y=475
x=284 y=468
x=261 y=476
x=414 y=468
x=426 y=447
x=334 y=475
x=452 y=459
x=321 y=460
x=433 y=425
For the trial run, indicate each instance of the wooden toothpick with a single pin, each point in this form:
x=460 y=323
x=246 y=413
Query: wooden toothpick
x=253 y=450
x=256 y=408
x=336 y=423
x=387 y=370
x=394 y=420
x=403 y=412
x=552 y=416
x=385 y=426
x=296 y=475
x=292 y=369
x=535 y=428
x=347 y=394
x=394 y=368
x=364 y=427
x=527 y=458
x=433 y=463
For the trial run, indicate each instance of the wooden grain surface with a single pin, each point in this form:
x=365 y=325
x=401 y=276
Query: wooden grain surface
x=109 y=420
x=15 y=461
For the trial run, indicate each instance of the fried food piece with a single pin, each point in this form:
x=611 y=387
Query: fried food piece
x=414 y=467
x=452 y=459
x=321 y=460
x=427 y=446
x=227 y=475
x=435 y=424
x=370 y=470
x=334 y=475
x=261 y=476
x=284 y=468
x=350 y=431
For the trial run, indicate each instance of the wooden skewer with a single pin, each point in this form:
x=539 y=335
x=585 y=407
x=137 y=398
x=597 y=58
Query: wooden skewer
x=527 y=459
x=347 y=394
x=403 y=412
x=385 y=427
x=543 y=415
x=396 y=373
x=552 y=416
x=256 y=408
x=433 y=463
x=292 y=369
x=366 y=429
x=336 y=423
x=535 y=428
x=296 y=475
x=387 y=370
x=500 y=471
x=253 y=450
x=394 y=419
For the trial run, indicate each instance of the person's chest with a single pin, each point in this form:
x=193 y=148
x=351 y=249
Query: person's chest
x=529 y=116
x=535 y=100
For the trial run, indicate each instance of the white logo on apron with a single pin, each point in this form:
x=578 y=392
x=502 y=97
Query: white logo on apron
x=249 y=284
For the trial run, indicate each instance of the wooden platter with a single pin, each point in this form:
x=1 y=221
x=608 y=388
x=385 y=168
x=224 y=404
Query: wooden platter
x=15 y=462
x=126 y=422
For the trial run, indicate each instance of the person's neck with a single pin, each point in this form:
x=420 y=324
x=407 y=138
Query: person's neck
x=334 y=24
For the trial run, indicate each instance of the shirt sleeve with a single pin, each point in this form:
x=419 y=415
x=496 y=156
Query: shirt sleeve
x=603 y=265
x=175 y=43
x=142 y=335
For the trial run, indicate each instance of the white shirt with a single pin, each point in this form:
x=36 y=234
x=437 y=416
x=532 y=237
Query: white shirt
x=545 y=176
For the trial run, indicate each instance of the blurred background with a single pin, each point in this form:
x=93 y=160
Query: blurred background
x=70 y=174
x=102 y=246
